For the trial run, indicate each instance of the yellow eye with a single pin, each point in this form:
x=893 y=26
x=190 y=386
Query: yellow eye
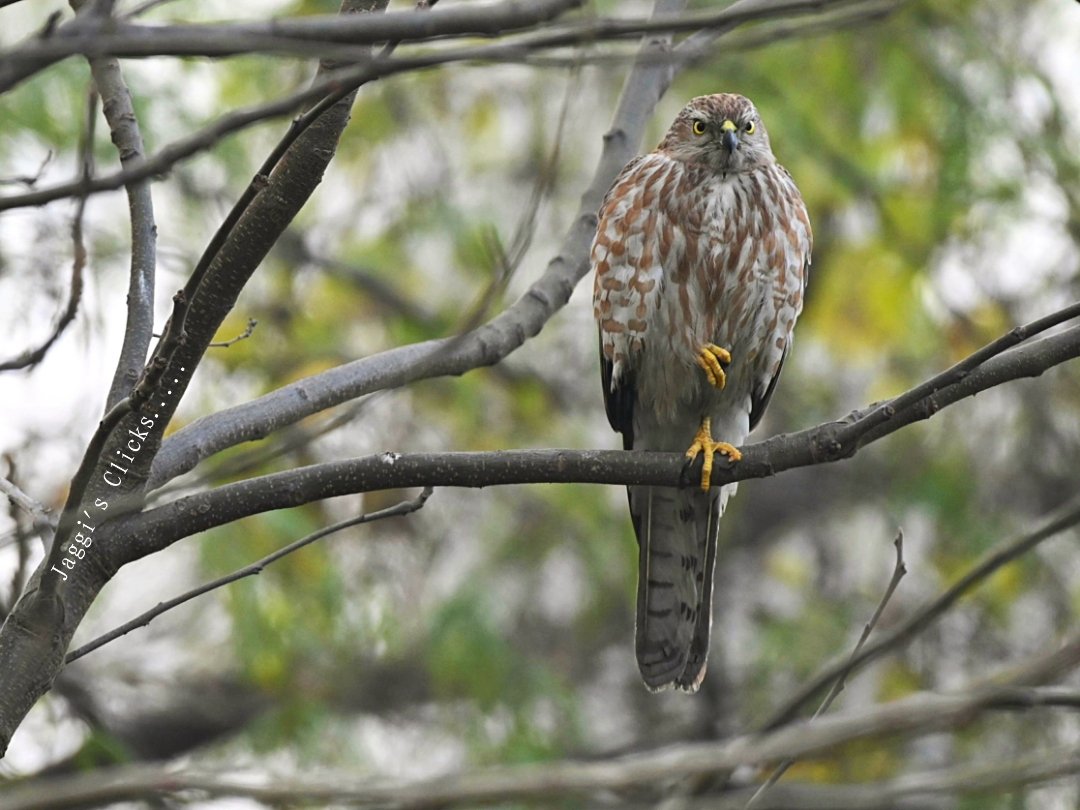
x=698 y=127
x=750 y=127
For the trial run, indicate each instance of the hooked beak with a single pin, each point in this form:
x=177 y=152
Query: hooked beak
x=730 y=138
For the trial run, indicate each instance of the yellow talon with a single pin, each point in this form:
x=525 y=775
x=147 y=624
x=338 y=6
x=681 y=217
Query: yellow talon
x=703 y=443
x=712 y=359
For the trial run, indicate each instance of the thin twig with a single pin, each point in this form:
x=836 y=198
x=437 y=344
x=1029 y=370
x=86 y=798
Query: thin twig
x=31 y=357
x=142 y=8
x=740 y=13
x=586 y=782
x=696 y=50
x=1065 y=517
x=248 y=331
x=29 y=180
x=32 y=507
x=18 y=504
x=255 y=568
x=507 y=261
x=899 y=570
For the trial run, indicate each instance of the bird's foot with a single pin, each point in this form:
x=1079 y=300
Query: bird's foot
x=704 y=443
x=713 y=360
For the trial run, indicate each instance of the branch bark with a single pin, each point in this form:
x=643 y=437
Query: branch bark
x=636 y=775
x=35 y=635
x=1065 y=518
x=37 y=632
x=93 y=37
x=139 y=535
x=328 y=36
x=119 y=111
x=369 y=69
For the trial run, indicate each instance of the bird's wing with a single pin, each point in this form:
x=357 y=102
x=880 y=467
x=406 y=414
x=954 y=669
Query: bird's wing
x=762 y=393
x=795 y=254
x=618 y=399
x=628 y=257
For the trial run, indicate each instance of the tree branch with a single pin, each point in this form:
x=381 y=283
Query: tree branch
x=737 y=14
x=899 y=570
x=119 y=112
x=254 y=569
x=31 y=357
x=35 y=635
x=34 y=508
x=329 y=36
x=637 y=775
x=1065 y=518
x=306 y=37
x=157 y=528
x=484 y=346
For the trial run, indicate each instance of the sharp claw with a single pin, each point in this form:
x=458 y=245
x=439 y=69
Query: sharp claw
x=687 y=467
x=704 y=443
x=712 y=359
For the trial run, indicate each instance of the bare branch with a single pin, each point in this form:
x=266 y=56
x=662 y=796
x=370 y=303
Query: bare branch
x=255 y=568
x=249 y=330
x=899 y=570
x=119 y=111
x=849 y=436
x=638 y=774
x=34 y=508
x=94 y=37
x=162 y=526
x=369 y=69
x=29 y=180
x=332 y=37
x=171 y=154
x=31 y=357
x=20 y=507
x=1065 y=518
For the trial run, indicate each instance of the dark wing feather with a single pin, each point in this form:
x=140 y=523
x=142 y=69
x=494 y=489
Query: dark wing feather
x=759 y=399
x=619 y=402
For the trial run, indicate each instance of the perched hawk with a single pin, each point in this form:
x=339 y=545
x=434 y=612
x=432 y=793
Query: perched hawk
x=701 y=256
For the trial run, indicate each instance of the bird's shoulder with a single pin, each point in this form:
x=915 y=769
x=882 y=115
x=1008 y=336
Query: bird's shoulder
x=647 y=181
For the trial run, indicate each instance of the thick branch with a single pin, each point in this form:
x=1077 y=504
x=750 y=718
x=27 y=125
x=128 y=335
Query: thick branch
x=119 y=111
x=157 y=528
x=36 y=633
x=332 y=37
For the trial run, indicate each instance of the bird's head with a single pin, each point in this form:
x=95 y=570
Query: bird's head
x=723 y=131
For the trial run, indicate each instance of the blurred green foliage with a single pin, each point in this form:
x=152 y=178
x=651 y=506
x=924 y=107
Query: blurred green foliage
x=509 y=607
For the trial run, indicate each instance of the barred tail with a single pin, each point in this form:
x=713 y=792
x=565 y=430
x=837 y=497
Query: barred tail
x=676 y=531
